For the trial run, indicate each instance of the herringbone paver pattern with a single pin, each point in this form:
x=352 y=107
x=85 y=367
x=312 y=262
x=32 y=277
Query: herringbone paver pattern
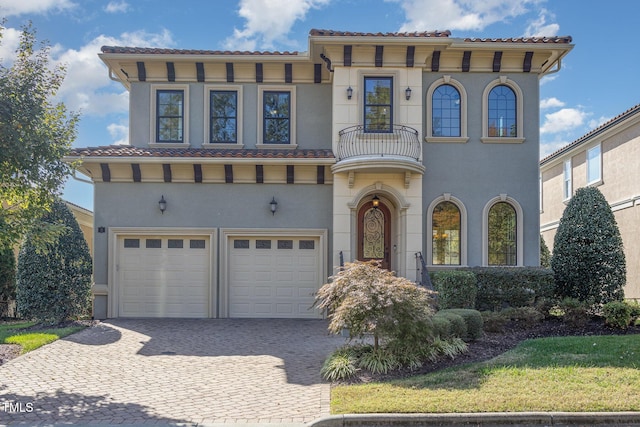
x=166 y=371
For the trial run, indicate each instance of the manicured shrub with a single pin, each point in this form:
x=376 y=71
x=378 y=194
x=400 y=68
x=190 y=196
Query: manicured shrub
x=55 y=284
x=575 y=312
x=617 y=314
x=458 y=325
x=502 y=287
x=456 y=289
x=527 y=316
x=588 y=259
x=473 y=320
x=441 y=327
x=494 y=321
x=7 y=274
x=545 y=255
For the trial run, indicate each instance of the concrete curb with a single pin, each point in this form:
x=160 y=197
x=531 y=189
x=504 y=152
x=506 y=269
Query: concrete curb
x=483 y=419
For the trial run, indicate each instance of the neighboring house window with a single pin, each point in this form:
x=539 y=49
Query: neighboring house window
x=170 y=116
x=502 y=234
x=502 y=112
x=223 y=116
x=594 y=165
x=445 y=111
x=378 y=104
x=445 y=234
x=567 y=186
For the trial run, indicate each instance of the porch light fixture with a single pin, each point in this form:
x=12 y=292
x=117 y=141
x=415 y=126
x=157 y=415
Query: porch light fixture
x=162 y=204
x=375 y=201
x=407 y=93
x=349 y=92
x=274 y=205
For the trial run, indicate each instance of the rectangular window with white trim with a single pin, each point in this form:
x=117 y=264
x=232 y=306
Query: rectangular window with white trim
x=594 y=165
x=568 y=186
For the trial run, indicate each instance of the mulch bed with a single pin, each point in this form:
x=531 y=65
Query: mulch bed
x=493 y=344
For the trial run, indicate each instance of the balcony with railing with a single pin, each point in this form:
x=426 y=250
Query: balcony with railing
x=361 y=149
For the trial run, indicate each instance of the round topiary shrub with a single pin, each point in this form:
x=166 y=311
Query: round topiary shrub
x=54 y=284
x=458 y=325
x=473 y=320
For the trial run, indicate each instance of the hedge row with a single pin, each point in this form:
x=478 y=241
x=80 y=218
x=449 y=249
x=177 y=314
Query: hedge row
x=492 y=288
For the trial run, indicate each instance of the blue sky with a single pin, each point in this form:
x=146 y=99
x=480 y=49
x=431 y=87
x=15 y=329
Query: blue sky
x=598 y=79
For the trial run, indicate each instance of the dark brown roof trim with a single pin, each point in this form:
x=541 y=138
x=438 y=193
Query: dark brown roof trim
x=288 y=73
x=259 y=75
x=106 y=173
x=229 y=72
x=466 y=61
x=166 y=171
x=200 y=71
x=197 y=172
x=142 y=72
x=290 y=174
x=411 y=50
x=317 y=73
x=435 y=61
x=135 y=170
x=347 y=55
x=379 y=52
x=171 y=72
x=497 y=61
x=228 y=174
x=320 y=174
x=259 y=174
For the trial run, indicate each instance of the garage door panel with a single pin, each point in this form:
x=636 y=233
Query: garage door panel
x=163 y=281
x=274 y=277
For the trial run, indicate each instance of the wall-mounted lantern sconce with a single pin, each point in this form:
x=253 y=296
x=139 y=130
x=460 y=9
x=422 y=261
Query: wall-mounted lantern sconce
x=407 y=93
x=274 y=205
x=349 y=92
x=162 y=204
x=375 y=201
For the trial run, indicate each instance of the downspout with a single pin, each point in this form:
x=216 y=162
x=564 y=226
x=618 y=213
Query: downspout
x=86 y=181
x=555 y=70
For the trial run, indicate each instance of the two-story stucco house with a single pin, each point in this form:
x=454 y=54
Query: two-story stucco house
x=250 y=175
x=607 y=157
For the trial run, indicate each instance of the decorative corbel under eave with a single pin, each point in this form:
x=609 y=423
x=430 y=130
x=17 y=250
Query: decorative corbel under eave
x=352 y=179
x=407 y=179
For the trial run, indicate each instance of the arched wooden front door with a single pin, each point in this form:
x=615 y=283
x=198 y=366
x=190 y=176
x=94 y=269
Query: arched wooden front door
x=374 y=234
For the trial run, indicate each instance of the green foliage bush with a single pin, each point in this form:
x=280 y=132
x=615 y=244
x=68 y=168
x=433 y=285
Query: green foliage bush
x=441 y=327
x=529 y=316
x=340 y=365
x=501 y=287
x=617 y=314
x=458 y=325
x=575 y=312
x=7 y=273
x=55 y=284
x=588 y=259
x=456 y=288
x=494 y=321
x=545 y=255
x=472 y=319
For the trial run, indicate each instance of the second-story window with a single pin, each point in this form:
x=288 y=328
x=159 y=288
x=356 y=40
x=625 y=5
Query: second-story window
x=567 y=187
x=594 y=165
x=170 y=116
x=276 y=117
x=502 y=112
x=224 y=116
x=446 y=111
x=378 y=104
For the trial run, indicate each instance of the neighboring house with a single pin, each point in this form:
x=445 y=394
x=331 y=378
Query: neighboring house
x=607 y=157
x=85 y=221
x=250 y=175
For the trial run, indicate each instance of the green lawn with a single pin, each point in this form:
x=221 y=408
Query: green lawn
x=16 y=333
x=598 y=373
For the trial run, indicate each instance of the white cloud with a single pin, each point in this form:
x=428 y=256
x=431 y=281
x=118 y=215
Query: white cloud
x=474 y=15
x=551 y=103
x=563 y=120
x=548 y=79
x=8 y=44
x=21 y=7
x=117 y=7
x=547 y=148
x=120 y=133
x=268 y=22
x=540 y=27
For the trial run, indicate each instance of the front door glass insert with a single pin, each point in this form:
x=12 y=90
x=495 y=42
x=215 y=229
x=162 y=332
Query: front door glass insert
x=373 y=241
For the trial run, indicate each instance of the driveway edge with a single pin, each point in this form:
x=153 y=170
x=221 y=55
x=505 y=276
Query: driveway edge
x=483 y=419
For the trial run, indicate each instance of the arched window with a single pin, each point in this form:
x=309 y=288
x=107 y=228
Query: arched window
x=445 y=111
x=502 y=234
x=502 y=113
x=445 y=234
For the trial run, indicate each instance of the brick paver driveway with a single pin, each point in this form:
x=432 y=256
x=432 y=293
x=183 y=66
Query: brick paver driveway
x=169 y=371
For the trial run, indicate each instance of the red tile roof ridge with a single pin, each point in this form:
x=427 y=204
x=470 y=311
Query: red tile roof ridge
x=622 y=116
x=171 y=51
x=334 y=33
x=543 y=39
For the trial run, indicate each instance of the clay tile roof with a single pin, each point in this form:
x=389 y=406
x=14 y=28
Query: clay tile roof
x=617 y=119
x=555 y=39
x=136 y=152
x=332 y=33
x=166 y=51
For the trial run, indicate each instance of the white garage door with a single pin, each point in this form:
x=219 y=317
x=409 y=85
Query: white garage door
x=273 y=277
x=163 y=276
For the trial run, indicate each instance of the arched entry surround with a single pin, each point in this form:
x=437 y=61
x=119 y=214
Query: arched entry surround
x=397 y=205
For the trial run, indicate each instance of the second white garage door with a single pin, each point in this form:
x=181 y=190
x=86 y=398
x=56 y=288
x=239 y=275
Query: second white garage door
x=273 y=277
